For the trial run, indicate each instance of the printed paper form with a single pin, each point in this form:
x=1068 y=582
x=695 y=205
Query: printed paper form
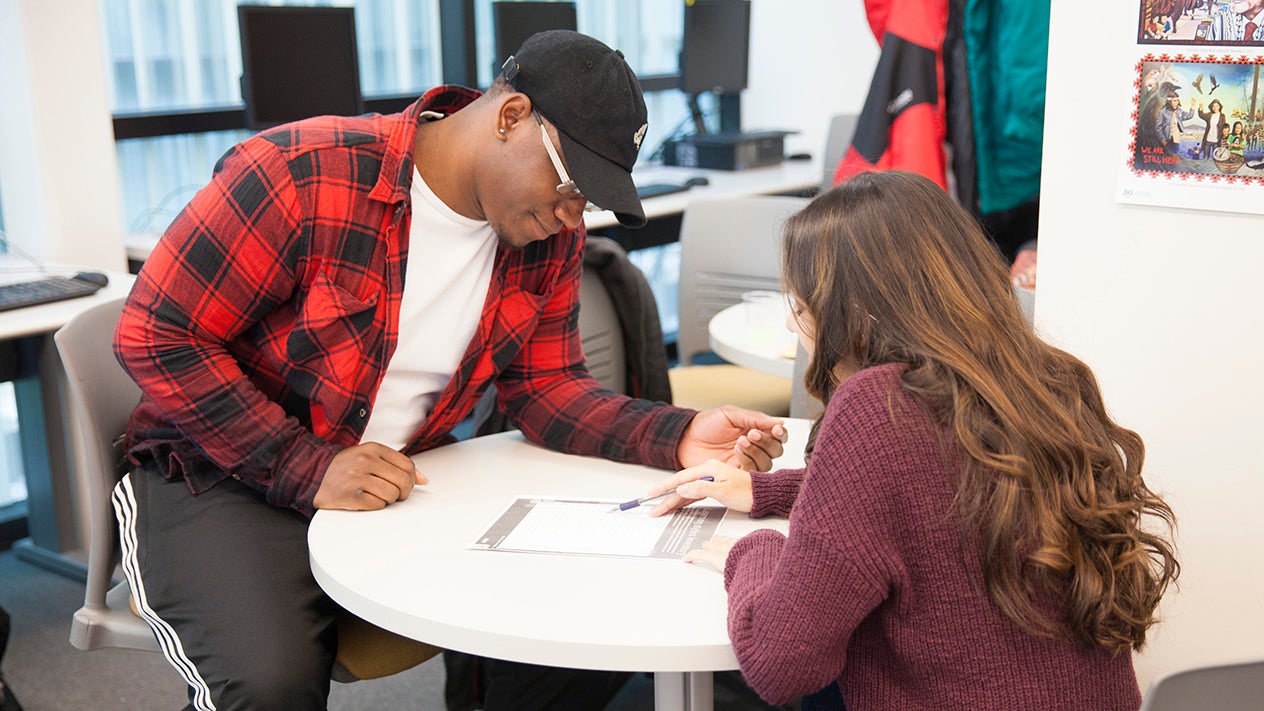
x=589 y=527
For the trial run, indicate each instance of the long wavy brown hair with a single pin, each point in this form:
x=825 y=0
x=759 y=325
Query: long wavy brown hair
x=887 y=268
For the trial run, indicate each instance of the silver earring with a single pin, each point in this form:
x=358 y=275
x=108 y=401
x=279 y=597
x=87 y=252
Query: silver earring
x=501 y=131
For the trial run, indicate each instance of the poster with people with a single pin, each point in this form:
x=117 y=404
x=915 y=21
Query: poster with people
x=1197 y=131
x=1225 y=23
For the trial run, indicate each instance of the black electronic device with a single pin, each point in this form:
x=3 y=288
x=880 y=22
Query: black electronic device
x=650 y=190
x=50 y=289
x=298 y=62
x=727 y=151
x=514 y=22
x=715 y=46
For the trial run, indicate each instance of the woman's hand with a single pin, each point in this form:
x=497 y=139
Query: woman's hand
x=731 y=487
x=713 y=554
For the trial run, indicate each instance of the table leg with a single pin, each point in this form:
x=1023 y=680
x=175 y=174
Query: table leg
x=683 y=691
x=51 y=497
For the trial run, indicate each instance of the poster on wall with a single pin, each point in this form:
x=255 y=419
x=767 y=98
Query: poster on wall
x=1225 y=23
x=1197 y=134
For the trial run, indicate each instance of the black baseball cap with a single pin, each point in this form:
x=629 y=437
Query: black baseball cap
x=590 y=94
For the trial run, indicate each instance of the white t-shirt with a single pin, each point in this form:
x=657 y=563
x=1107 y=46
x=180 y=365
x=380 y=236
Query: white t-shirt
x=449 y=269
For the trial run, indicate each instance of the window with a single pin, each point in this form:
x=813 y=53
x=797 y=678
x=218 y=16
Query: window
x=166 y=57
x=182 y=61
x=647 y=32
x=12 y=481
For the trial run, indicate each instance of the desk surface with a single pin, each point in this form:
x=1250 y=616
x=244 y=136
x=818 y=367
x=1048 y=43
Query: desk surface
x=46 y=318
x=768 y=349
x=407 y=567
x=57 y=499
x=788 y=177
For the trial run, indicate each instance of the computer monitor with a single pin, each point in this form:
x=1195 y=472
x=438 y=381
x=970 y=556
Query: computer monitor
x=514 y=22
x=715 y=47
x=298 y=62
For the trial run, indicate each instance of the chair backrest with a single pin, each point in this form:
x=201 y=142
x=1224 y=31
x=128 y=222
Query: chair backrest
x=727 y=246
x=600 y=333
x=841 y=129
x=1026 y=301
x=101 y=397
x=1226 y=687
x=802 y=404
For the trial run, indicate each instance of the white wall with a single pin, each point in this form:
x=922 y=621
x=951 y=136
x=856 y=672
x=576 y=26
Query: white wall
x=57 y=159
x=809 y=60
x=1162 y=303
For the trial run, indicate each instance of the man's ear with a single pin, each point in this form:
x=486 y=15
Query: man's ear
x=514 y=109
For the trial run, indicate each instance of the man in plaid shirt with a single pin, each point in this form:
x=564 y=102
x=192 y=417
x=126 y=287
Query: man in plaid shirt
x=337 y=299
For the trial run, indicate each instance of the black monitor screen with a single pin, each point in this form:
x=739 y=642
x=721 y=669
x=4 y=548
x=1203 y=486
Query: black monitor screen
x=714 y=49
x=298 y=62
x=514 y=22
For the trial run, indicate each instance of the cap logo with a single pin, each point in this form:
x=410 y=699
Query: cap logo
x=640 y=135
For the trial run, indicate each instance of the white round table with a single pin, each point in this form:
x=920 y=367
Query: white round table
x=408 y=568
x=766 y=347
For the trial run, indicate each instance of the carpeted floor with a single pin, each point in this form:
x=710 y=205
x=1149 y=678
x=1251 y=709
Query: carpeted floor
x=47 y=674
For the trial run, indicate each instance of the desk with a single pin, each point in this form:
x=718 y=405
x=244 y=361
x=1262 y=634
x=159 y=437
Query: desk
x=788 y=177
x=731 y=338
x=406 y=568
x=56 y=499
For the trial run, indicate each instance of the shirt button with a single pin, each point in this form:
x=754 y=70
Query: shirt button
x=363 y=413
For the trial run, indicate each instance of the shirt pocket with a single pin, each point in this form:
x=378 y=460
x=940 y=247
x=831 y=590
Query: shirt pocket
x=516 y=319
x=332 y=332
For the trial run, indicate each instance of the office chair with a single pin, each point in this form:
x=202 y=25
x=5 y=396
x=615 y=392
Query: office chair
x=101 y=398
x=1224 y=687
x=1026 y=301
x=802 y=405
x=841 y=129
x=600 y=334
x=727 y=246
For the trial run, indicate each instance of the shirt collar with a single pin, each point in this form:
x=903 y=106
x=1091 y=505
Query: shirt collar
x=397 y=163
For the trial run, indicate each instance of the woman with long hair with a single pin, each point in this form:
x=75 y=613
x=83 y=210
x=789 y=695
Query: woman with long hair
x=972 y=530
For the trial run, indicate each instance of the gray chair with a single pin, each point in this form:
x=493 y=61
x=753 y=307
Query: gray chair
x=802 y=404
x=1224 y=687
x=841 y=129
x=1026 y=301
x=727 y=246
x=600 y=334
x=101 y=398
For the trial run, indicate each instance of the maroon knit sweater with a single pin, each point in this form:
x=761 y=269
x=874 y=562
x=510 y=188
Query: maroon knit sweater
x=874 y=588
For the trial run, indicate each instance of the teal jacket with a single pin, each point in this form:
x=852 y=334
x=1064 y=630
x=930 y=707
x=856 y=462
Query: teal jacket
x=1007 y=43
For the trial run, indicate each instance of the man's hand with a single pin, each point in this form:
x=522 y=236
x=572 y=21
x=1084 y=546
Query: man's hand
x=742 y=438
x=367 y=477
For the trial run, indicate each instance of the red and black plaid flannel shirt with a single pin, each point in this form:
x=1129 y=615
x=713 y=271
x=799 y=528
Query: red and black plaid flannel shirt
x=260 y=328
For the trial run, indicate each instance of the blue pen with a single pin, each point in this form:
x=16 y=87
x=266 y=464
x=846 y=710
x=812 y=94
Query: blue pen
x=646 y=499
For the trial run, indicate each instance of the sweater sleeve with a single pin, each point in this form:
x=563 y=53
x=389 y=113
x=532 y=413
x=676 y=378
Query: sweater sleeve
x=793 y=605
x=795 y=601
x=774 y=492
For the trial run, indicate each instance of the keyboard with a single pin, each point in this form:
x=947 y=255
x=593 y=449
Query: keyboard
x=655 y=189
x=44 y=291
